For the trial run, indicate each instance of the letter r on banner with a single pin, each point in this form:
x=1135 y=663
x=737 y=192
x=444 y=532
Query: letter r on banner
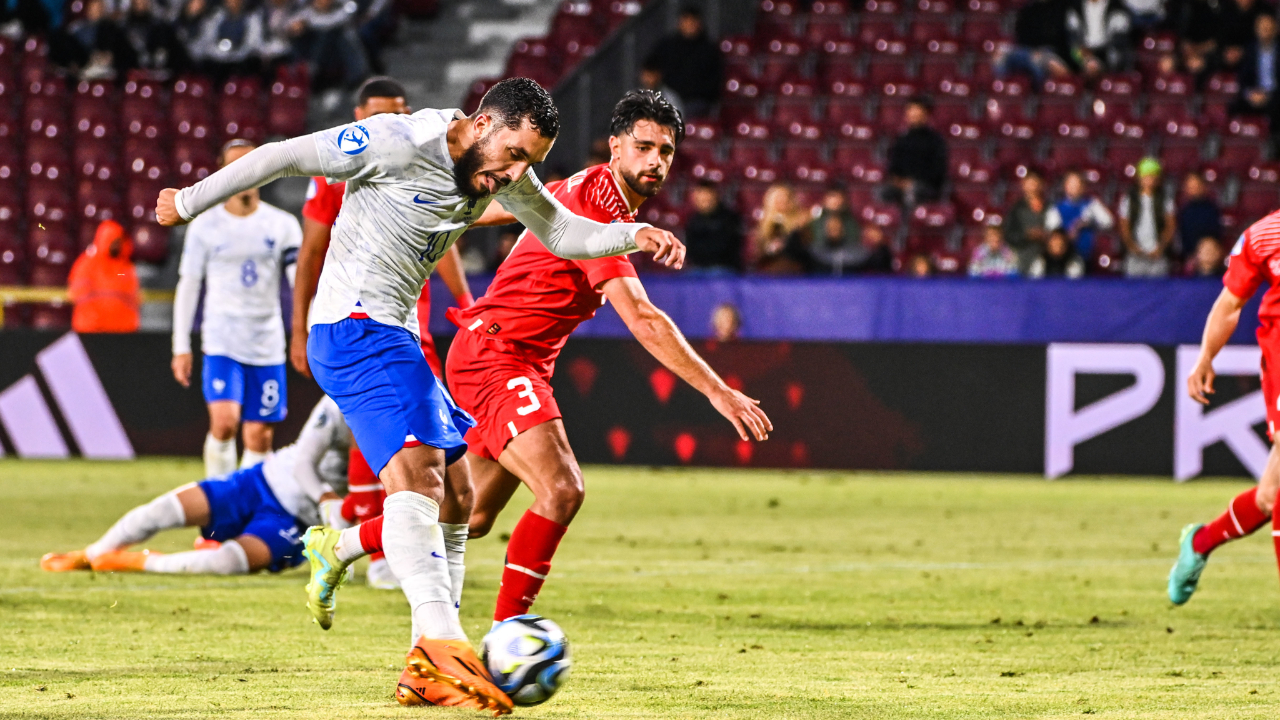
x=1196 y=428
x=1064 y=426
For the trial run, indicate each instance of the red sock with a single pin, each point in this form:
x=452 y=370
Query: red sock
x=1241 y=518
x=1275 y=535
x=364 y=498
x=371 y=536
x=529 y=552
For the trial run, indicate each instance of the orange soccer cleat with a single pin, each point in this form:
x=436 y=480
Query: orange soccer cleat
x=448 y=673
x=64 y=562
x=205 y=544
x=121 y=561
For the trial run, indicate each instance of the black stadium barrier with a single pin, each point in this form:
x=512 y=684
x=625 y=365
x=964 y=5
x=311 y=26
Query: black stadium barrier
x=1057 y=409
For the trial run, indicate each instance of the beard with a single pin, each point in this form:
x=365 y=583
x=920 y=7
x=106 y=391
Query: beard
x=464 y=170
x=642 y=187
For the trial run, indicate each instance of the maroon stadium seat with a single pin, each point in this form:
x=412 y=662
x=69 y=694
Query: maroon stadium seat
x=878 y=27
x=781 y=61
x=739 y=103
x=533 y=58
x=150 y=242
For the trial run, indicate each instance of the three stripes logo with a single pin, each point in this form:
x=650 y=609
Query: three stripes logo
x=83 y=403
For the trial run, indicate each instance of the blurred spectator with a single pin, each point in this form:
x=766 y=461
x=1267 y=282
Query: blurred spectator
x=726 y=322
x=993 y=258
x=1197 y=25
x=277 y=46
x=230 y=41
x=1199 y=216
x=690 y=63
x=1099 y=32
x=839 y=244
x=1146 y=14
x=376 y=27
x=327 y=40
x=99 y=48
x=1058 y=259
x=598 y=153
x=920 y=266
x=506 y=243
x=651 y=79
x=1208 y=260
x=877 y=258
x=1041 y=43
x=1147 y=223
x=917 y=158
x=1078 y=214
x=103 y=284
x=1024 y=224
x=151 y=41
x=1257 y=74
x=1237 y=28
x=777 y=245
x=713 y=233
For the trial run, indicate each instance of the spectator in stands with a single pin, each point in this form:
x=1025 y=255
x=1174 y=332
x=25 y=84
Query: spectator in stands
x=1199 y=216
x=651 y=79
x=376 y=27
x=835 y=237
x=277 y=47
x=1079 y=214
x=152 y=41
x=1237 y=28
x=690 y=63
x=777 y=244
x=1058 y=259
x=1208 y=260
x=103 y=284
x=917 y=158
x=920 y=266
x=713 y=233
x=1147 y=223
x=993 y=258
x=506 y=243
x=328 y=41
x=599 y=153
x=1257 y=73
x=1197 y=26
x=1024 y=224
x=726 y=322
x=1041 y=43
x=99 y=48
x=230 y=41
x=1146 y=14
x=1099 y=32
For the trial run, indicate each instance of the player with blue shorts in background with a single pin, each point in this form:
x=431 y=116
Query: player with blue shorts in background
x=239 y=250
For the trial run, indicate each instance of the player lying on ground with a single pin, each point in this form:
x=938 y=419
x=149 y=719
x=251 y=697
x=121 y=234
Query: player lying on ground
x=238 y=251
x=1254 y=260
x=415 y=183
x=257 y=514
x=376 y=96
x=501 y=361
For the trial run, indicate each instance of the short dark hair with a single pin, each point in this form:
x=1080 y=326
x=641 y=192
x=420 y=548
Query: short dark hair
x=691 y=10
x=515 y=100
x=650 y=105
x=923 y=101
x=379 y=86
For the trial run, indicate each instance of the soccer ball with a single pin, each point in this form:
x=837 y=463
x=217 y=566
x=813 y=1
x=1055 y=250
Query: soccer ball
x=528 y=657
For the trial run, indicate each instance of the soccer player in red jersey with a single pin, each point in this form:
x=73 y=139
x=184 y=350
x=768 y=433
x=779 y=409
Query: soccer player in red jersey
x=1255 y=260
x=324 y=201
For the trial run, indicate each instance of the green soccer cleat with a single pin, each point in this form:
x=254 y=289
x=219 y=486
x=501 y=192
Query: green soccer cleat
x=328 y=573
x=1185 y=574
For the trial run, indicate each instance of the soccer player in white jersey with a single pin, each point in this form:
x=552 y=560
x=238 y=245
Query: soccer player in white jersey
x=239 y=251
x=258 y=514
x=414 y=185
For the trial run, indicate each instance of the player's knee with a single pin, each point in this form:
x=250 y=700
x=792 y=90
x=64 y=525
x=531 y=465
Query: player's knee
x=258 y=436
x=480 y=524
x=565 y=498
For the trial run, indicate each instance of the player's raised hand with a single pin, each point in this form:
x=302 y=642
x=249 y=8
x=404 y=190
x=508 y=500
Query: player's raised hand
x=167 y=208
x=1200 y=382
x=182 y=369
x=298 y=353
x=665 y=247
x=744 y=413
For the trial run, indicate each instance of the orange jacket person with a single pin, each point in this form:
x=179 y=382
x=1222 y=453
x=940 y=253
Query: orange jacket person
x=104 y=285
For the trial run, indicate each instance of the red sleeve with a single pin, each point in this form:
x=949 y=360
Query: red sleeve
x=608 y=268
x=323 y=201
x=1244 y=272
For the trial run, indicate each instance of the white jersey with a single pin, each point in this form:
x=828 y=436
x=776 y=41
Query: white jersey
x=240 y=260
x=300 y=473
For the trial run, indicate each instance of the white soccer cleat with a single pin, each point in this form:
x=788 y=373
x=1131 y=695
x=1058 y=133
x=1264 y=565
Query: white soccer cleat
x=380 y=576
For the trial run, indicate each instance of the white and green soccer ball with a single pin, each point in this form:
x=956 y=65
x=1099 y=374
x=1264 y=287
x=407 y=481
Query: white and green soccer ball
x=528 y=657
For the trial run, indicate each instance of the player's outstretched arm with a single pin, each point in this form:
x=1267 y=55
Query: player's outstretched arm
x=660 y=336
x=1222 y=322
x=296 y=157
x=315 y=243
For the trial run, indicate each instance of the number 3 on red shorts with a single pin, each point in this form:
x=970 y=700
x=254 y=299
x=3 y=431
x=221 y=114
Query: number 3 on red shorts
x=526 y=392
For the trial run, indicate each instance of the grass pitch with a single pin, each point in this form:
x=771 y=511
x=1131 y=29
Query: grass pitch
x=687 y=594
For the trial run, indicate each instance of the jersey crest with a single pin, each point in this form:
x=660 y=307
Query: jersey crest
x=353 y=140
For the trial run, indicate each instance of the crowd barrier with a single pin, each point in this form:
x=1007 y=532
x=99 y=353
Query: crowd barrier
x=1054 y=409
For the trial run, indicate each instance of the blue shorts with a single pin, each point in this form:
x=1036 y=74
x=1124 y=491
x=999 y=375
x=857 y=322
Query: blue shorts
x=385 y=389
x=260 y=389
x=242 y=504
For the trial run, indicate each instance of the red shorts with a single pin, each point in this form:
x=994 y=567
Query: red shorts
x=1269 y=342
x=506 y=393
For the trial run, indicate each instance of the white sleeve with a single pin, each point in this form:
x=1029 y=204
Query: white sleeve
x=1052 y=219
x=563 y=233
x=1101 y=215
x=296 y=157
x=186 y=295
x=315 y=440
x=384 y=145
x=289 y=249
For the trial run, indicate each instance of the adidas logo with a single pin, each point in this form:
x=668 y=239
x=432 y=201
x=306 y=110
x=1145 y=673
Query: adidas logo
x=83 y=403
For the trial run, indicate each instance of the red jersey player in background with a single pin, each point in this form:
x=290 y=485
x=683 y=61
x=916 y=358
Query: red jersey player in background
x=365 y=493
x=1255 y=260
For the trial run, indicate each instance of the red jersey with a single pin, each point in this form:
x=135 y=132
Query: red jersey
x=1255 y=259
x=537 y=299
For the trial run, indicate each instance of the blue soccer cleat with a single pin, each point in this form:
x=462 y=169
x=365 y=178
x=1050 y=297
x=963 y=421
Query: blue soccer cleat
x=1185 y=574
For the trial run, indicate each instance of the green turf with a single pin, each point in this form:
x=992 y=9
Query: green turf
x=715 y=594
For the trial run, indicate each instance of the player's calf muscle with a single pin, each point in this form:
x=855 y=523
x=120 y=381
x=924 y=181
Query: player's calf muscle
x=417 y=469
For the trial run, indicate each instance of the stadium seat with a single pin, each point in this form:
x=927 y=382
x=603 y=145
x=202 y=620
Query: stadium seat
x=50 y=251
x=1054 y=111
x=793 y=104
x=971 y=195
x=533 y=58
x=143 y=103
x=977 y=29
x=35 y=59
x=1161 y=110
x=836 y=77
x=1256 y=199
x=937 y=69
x=240 y=112
x=95 y=202
x=828 y=21
x=802 y=152
x=1175 y=84
x=476 y=92
x=1181 y=155
x=1123 y=154
x=287 y=110
x=780 y=62
x=1000 y=110
x=1222 y=88
x=887 y=217
x=967 y=144
x=1121 y=87
x=889 y=64
x=13 y=262
x=1244 y=143
x=740 y=103
x=150 y=242
x=140 y=200
x=738 y=53
x=948 y=110
x=618 y=12
x=93 y=157
x=924 y=29
x=878 y=27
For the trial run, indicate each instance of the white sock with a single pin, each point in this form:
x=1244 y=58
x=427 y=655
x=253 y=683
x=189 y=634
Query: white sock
x=414 y=545
x=455 y=548
x=349 y=549
x=140 y=523
x=219 y=456
x=251 y=458
x=228 y=559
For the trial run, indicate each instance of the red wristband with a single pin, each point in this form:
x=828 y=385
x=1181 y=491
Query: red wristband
x=465 y=300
